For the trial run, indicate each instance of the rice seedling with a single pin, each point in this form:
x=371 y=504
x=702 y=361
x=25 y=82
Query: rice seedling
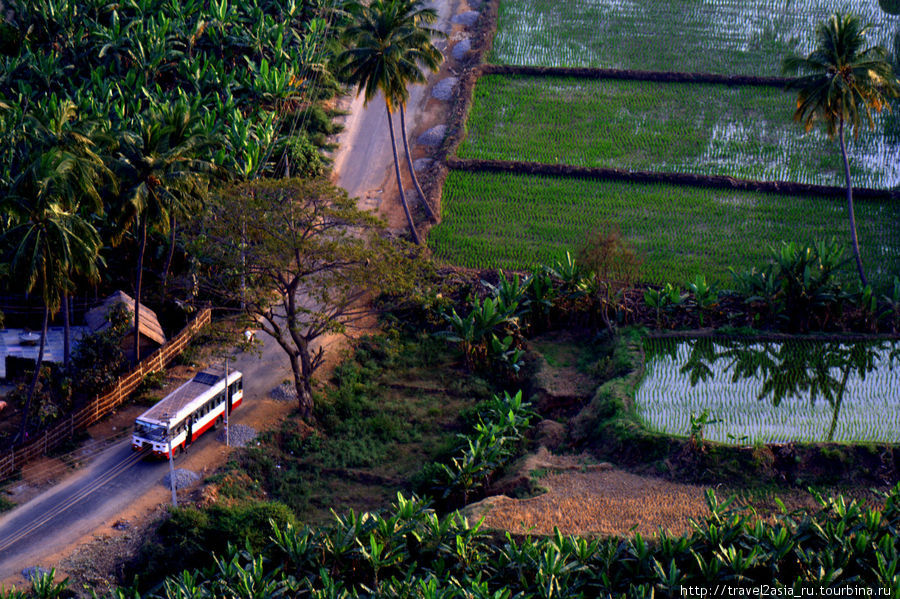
x=718 y=36
x=800 y=391
x=744 y=132
x=519 y=221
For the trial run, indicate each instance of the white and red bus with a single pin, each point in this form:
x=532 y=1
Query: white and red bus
x=187 y=412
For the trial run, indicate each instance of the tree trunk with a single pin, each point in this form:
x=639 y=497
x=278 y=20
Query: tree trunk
x=837 y=403
x=142 y=244
x=409 y=219
x=859 y=265
x=409 y=164
x=67 y=329
x=169 y=257
x=302 y=386
x=23 y=428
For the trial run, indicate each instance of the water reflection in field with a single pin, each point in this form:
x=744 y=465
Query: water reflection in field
x=773 y=392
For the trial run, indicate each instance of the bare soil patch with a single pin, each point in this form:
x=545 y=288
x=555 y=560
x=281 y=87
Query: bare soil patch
x=602 y=500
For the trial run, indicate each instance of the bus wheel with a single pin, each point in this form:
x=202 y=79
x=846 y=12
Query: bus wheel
x=217 y=423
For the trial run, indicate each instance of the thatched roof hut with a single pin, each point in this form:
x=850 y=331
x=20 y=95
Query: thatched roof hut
x=151 y=330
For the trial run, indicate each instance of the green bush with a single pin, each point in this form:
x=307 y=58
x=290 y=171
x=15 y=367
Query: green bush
x=496 y=439
x=190 y=536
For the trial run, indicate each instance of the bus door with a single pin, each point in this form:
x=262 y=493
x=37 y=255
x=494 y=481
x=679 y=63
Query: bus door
x=190 y=430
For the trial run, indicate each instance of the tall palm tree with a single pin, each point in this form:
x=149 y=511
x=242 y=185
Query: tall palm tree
x=839 y=83
x=423 y=52
x=163 y=173
x=387 y=42
x=54 y=127
x=47 y=242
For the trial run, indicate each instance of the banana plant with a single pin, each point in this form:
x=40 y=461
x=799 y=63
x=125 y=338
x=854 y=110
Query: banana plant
x=510 y=291
x=705 y=295
x=472 y=332
x=658 y=300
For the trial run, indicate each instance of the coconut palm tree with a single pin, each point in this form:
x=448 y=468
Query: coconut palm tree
x=423 y=52
x=54 y=127
x=387 y=42
x=47 y=242
x=841 y=82
x=162 y=172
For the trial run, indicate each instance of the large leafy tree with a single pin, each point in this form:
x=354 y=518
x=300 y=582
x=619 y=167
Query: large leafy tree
x=387 y=42
x=842 y=83
x=163 y=171
x=308 y=258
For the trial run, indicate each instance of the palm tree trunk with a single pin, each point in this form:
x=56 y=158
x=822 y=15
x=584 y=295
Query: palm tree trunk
x=837 y=403
x=137 y=290
x=409 y=220
x=859 y=266
x=409 y=164
x=23 y=428
x=67 y=329
x=169 y=258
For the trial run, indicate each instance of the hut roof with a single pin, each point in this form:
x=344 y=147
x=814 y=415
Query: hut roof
x=97 y=320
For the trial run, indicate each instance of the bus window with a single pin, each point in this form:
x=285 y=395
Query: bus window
x=152 y=432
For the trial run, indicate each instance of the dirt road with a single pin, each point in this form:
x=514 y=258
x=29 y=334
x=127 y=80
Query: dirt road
x=364 y=163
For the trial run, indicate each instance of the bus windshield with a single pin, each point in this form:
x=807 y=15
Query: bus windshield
x=153 y=432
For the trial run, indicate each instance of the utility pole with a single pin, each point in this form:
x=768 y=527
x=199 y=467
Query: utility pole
x=171 y=462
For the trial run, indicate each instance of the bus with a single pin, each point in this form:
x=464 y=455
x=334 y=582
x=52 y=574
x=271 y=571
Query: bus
x=187 y=412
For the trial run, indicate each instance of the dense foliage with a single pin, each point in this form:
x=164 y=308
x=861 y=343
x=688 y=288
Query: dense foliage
x=412 y=552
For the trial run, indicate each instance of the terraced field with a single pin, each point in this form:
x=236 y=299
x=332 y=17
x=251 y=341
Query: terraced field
x=520 y=221
x=715 y=36
x=744 y=132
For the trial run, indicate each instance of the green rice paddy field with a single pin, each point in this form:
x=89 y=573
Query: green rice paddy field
x=520 y=221
x=744 y=132
x=717 y=36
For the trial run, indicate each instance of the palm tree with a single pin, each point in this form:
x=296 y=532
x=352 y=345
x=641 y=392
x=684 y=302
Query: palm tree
x=420 y=51
x=839 y=82
x=47 y=242
x=387 y=43
x=53 y=127
x=162 y=175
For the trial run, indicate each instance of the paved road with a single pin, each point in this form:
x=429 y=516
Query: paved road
x=117 y=477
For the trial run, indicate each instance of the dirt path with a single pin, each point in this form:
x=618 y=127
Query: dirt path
x=364 y=163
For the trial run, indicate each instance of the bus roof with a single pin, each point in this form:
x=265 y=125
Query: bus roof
x=205 y=383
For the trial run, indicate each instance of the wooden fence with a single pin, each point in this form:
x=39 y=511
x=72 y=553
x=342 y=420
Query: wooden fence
x=104 y=403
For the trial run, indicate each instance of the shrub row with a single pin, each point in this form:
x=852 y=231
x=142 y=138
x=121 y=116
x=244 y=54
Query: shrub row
x=411 y=552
